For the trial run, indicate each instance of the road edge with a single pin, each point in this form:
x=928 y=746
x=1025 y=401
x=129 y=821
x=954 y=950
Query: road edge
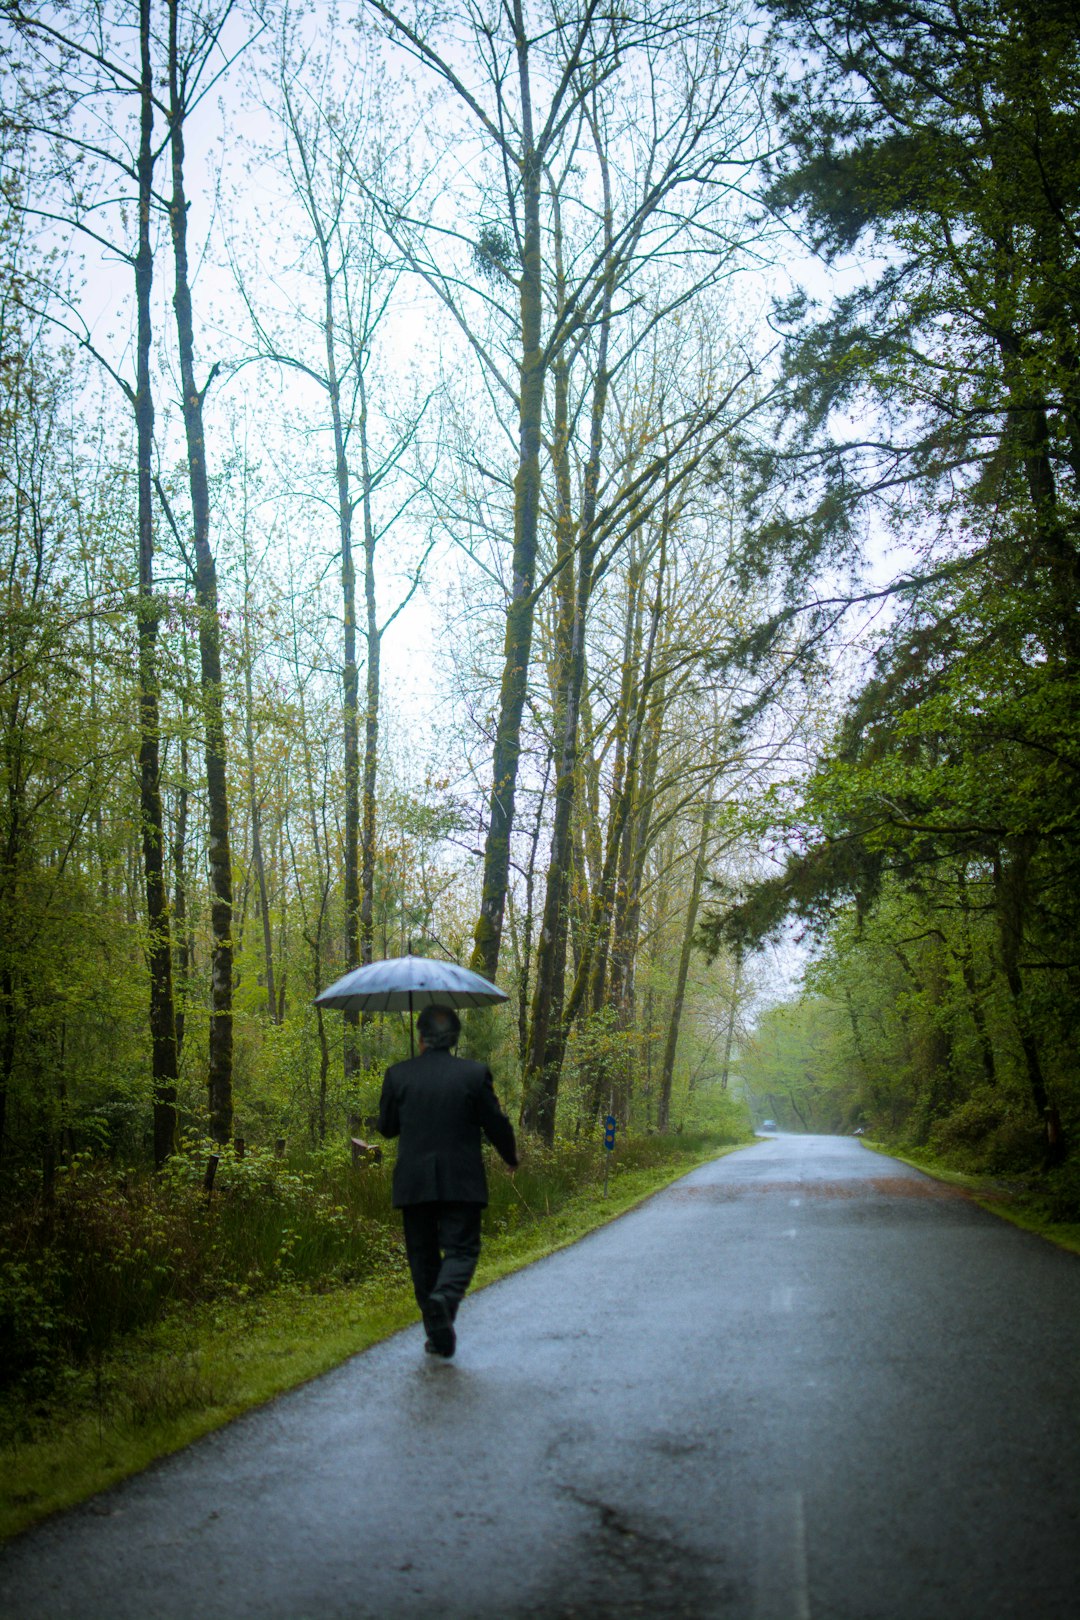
x=986 y=1192
x=268 y=1377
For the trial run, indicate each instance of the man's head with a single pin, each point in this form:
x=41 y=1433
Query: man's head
x=439 y=1028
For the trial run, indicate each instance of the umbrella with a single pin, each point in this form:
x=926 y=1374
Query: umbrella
x=405 y=983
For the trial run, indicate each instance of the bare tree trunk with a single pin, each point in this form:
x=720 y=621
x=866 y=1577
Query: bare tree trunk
x=220 y=855
x=627 y=920
x=634 y=703
x=183 y=961
x=591 y=978
x=162 y=1006
x=1010 y=884
x=543 y=1062
x=283 y=930
x=667 y=1071
x=254 y=806
x=371 y=712
x=313 y=928
x=350 y=681
x=525 y=952
x=965 y=957
x=729 y=1033
x=1053 y=548
x=256 y=842
x=517 y=643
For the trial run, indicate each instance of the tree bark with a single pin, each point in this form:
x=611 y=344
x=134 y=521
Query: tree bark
x=1010 y=884
x=636 y=845
x=590 y=979
x=525 y=949
x=219 y=1080
x=163 y=1035
x=733 y=1010
x=964 y=955
x=255 y=811
x=667 y=1070
x=543 y=1063
x=633 y=705
x=373 y=698
x=182 y=951
x=517 y=643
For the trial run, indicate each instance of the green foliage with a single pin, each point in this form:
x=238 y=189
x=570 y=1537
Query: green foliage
x=908 y=1030
x=945 y=140
x=108 y=1251
x=73 y=1038
x=1058 y=1195
x=934 y=848
x=795 y=1068
x=600 y=1061
x=988 y=1131
x=493 y=254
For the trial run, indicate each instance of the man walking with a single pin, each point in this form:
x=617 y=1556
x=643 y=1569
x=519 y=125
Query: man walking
x=442 y=1107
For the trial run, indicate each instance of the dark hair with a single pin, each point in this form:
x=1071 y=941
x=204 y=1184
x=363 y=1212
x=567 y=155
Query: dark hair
x=439 y=1027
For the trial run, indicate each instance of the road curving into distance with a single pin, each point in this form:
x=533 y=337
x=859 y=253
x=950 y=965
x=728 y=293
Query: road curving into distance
x=803 y=1383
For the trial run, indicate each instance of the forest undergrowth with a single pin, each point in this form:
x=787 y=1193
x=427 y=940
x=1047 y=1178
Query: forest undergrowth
x=139 y=1310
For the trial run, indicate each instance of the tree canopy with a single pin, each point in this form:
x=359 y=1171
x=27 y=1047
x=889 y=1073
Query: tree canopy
x=935 y=406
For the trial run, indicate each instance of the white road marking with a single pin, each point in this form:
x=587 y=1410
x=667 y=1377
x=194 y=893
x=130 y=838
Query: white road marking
x=781 y=1591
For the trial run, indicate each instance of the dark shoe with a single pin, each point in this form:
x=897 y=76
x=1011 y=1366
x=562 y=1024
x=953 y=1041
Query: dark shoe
x=441 y=1338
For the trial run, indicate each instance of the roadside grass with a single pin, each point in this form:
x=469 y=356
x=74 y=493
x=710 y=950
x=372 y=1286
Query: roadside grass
x=1030 y=1201
x=201 y=1365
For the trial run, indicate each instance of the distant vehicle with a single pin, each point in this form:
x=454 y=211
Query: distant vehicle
x=768 y=1125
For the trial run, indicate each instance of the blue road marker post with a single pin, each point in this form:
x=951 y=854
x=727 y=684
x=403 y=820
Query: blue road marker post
x=609 y=1143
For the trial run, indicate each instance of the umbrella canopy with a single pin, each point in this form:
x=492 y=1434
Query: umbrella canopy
x=407 y=983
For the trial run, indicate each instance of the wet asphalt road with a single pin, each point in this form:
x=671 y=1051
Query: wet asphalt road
x=805 y=1383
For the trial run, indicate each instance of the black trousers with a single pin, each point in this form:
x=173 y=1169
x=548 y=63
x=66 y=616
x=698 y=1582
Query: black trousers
x=442 y=1243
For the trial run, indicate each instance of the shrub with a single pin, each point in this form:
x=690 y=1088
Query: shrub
x=989 y=1130
x=1059 y=1194
x=110 y=1251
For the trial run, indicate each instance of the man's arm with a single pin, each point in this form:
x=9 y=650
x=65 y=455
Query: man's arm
x=494 y=1123
x=389 y=1118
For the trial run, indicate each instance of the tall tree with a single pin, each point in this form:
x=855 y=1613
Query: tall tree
x=328 y=104
x=196 y=58
x=944 y=137
x=162 y=1005
x=642 y=492
x=667 y=1068
x=78 y=65
x=531 y=87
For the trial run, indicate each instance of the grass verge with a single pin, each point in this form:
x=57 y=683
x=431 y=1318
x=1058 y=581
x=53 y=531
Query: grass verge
x=1019 y=1199
x=200 y=1368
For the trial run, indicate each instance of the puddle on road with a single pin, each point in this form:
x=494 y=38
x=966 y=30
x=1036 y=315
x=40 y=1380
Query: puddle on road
x=861 y=1187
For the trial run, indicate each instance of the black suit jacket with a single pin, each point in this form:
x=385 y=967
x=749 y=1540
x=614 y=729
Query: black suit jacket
x=442 y=1107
